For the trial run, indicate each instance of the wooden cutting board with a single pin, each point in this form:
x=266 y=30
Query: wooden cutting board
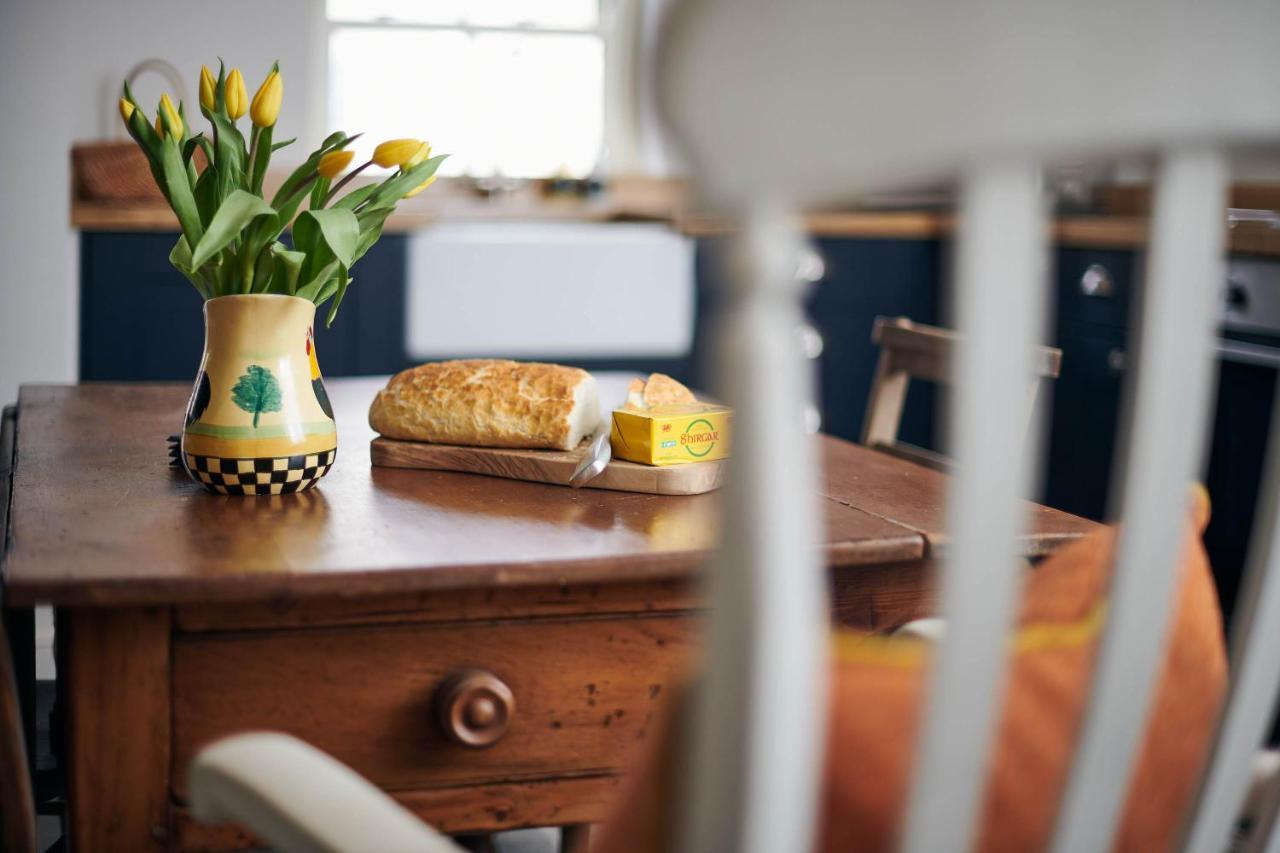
x=548 y=466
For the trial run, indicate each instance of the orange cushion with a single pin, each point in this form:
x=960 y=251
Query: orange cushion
x=877 y=685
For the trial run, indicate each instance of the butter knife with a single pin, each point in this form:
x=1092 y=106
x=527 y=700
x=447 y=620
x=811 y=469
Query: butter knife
x=598 y=455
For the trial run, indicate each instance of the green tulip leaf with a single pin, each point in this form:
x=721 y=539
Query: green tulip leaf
x=371 y=222
x=311 y=290
x=289 y=206
x=287 y=266
x=261 y=156
x=276 y=146
x=262 y=271
x=394 y=188
x=355 y=198
x=236 y=212
x=343 y=282
x=300 y=175
x=178 y=190
x=180 y=257
x=206 y=195
x=339 y=229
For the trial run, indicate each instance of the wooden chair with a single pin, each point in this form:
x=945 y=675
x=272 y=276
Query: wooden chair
x=915 y=351
x=17 y=803
x=784 y=109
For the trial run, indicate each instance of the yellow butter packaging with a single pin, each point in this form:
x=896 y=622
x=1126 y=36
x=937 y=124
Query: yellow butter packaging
x=670 y=435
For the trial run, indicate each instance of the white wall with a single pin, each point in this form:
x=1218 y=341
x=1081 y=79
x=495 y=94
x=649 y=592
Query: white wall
x=61 y=64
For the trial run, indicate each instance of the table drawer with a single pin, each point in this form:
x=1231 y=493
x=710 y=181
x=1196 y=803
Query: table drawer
x=587 y=694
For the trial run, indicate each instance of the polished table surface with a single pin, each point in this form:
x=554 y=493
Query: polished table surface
x=98 y=517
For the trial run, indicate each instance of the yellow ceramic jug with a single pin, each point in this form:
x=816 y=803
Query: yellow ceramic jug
x=259 y=421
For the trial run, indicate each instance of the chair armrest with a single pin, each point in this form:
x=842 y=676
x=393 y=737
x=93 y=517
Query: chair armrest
x=296 y=798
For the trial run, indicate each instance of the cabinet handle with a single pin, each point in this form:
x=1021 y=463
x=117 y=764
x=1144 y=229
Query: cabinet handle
x=1096 y=281
x=474 y=708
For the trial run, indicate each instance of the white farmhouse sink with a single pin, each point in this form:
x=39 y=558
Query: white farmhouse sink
x=549 y=290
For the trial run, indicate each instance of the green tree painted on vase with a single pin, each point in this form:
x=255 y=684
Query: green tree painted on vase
x=256 y=391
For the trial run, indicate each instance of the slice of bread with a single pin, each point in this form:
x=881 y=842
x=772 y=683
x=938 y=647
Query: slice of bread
x=658 y=390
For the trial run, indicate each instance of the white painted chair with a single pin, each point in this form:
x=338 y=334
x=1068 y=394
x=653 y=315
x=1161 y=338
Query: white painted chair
x=786 y=106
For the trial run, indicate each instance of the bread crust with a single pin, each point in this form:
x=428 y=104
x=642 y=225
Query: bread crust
x=486 y=403
x=658 y=390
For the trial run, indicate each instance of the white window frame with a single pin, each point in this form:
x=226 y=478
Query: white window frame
x=617 y=25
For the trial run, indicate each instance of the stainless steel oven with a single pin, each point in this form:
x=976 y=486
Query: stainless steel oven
x=1248 y=366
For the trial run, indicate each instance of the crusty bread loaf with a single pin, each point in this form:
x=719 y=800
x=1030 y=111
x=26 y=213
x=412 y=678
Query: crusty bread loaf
x=489 y=403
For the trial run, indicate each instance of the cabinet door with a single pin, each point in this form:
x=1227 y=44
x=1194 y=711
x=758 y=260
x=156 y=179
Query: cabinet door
x=1085 y=415
x=1094 y=293
x=863 y=279
x=140 y=319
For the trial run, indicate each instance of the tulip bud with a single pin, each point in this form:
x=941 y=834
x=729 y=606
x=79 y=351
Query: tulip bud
x=173 y=119
x=265 y=108
x=397 y=152
x=126 y=110
x=208 y=86
x=332 y=164
x=420 y=187
x=235 y=95
x=423 y=152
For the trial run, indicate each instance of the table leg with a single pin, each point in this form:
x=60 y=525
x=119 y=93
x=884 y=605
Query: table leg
x=575 y=838
x=117 y=691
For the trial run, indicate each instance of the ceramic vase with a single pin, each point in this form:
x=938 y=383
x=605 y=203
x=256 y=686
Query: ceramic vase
x=259 y=421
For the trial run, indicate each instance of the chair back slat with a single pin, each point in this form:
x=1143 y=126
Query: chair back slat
x=758 y=722
x=1255 y=669
x=1000 y=294
x=1163 y=448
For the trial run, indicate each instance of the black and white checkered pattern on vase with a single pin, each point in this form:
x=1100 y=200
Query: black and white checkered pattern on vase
x=282 y=475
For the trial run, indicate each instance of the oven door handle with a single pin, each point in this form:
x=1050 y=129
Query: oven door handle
x=1243 y=353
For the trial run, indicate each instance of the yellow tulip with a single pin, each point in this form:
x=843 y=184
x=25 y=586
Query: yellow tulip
x=265 y=108
x=332 y=164
x=126 y=109
x=236 y=97
x=208 y=87
x=423 y=152
x=420 y=187
x=175 y=120
x=396 y=152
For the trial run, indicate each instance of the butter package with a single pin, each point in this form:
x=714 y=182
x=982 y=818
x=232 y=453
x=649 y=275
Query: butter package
x=672 y=434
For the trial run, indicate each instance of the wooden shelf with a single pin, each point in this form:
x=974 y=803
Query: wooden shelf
x=641 y=199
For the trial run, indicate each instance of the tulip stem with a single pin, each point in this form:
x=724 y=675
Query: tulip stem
x=305 y=186
x=342 y=183
x=253 y=150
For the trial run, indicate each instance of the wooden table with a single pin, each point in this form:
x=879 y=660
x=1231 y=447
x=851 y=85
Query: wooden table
x=337 y=614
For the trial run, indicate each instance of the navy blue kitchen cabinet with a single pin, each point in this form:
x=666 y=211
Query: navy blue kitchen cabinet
x=864 y=278
x=141 y=320
x=1094 y=291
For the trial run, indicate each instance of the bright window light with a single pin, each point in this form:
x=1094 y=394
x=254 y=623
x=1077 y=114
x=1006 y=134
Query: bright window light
x=511 y=87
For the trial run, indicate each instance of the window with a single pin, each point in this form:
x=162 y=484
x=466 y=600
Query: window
x=512 y=87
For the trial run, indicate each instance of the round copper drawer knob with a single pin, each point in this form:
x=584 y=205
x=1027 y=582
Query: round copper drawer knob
x=474 y=708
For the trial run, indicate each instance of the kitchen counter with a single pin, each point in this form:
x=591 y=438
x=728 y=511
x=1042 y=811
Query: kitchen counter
x=637 y=198
x=1099 y=231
